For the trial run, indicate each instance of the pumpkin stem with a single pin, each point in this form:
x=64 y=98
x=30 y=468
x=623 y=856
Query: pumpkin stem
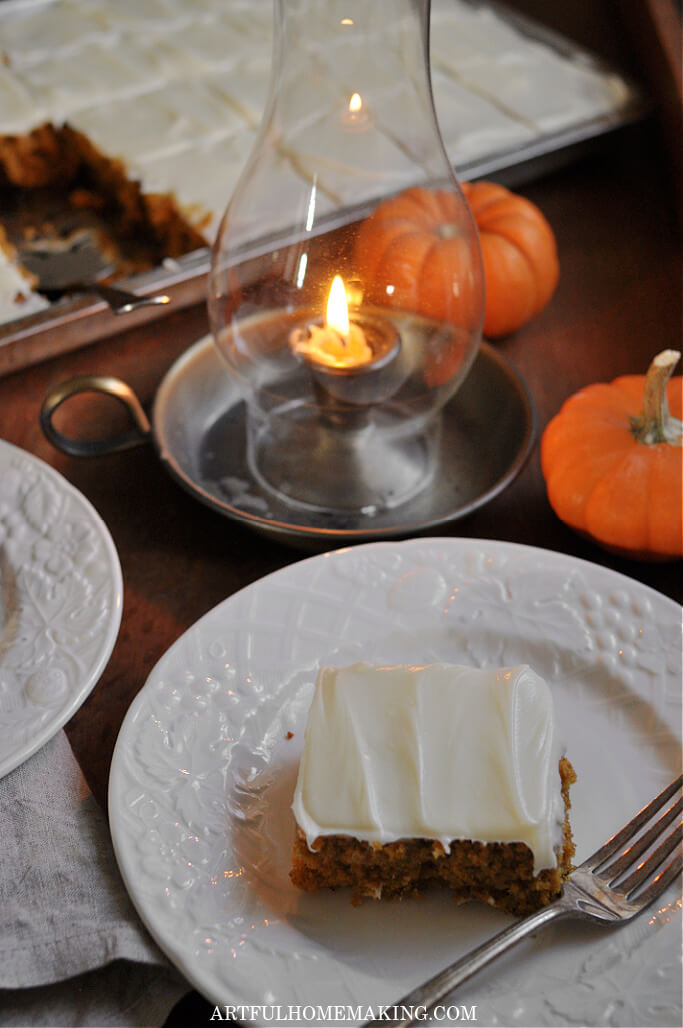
x=655 y=424
x=448 y=230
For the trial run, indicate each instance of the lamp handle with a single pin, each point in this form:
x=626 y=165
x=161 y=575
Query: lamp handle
x=139 y=433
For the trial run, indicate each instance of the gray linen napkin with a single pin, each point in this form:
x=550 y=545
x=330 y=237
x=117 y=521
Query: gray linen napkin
x=72 y=949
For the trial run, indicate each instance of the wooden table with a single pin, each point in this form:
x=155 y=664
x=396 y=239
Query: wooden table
x=618 y=303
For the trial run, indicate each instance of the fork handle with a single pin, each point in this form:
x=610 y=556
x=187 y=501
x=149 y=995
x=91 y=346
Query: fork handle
x=422 y=1000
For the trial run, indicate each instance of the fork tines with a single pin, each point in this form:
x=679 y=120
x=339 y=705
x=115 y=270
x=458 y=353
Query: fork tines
x=642 y=839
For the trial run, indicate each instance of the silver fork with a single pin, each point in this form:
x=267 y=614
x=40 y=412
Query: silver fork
x=607 y=888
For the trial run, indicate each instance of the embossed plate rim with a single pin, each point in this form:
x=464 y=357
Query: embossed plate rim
x=169 y=772
x=105 y=572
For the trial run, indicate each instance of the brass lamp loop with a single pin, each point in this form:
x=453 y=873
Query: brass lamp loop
x=110 y=386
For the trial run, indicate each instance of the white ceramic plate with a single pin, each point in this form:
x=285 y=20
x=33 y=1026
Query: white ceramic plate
x=204 y=770
x=60 y=602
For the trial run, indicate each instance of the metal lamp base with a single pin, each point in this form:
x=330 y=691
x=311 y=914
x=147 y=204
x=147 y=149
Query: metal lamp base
x=377 y=463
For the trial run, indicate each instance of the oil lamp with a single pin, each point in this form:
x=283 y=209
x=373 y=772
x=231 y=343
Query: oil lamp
x=343 y=385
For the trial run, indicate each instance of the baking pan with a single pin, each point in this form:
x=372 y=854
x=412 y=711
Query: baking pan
x=75 y=321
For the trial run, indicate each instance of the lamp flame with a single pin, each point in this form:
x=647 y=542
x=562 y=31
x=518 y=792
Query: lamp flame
x=339 y=342
x=355 y=103
x=338 y=308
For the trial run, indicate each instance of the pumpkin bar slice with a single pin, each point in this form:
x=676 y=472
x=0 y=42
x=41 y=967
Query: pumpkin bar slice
x=413 y=776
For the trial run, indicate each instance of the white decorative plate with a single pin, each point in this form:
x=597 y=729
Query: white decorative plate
x=60 y=602
x=204 y=770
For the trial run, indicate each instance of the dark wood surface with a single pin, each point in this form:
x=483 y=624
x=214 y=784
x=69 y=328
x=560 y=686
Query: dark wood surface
x=618 y=303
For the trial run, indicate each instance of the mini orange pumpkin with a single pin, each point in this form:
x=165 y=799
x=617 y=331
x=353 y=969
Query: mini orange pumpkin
x=411 y=243
x=521 y=267
x=612 y=462
x=409 y=252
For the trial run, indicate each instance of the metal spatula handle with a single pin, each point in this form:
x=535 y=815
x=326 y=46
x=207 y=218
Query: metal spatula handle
x=120 y=300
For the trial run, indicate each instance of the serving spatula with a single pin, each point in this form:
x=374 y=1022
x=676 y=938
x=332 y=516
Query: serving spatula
x=78 y=266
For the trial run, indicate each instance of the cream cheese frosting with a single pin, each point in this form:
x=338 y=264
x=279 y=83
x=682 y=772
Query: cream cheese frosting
x=437 y=751
x=16 y=294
